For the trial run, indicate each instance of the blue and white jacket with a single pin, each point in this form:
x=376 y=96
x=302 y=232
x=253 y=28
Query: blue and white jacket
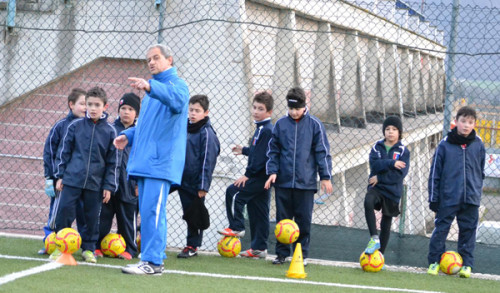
x=457 y=173
x=298 y=151
x=52 y=144
x=126 y=186
x=86 y=157
x=258 y=148
x=390 y=179
x=159 y=139
x=201 y=156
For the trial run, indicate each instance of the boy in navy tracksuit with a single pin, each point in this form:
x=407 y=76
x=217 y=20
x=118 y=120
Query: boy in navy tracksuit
x=202 y=150
x=389 y=165
x=76 y=104
x=249 y=189
x=298 y=152
x=455 y=187
x=86 y=169
x=123 y=203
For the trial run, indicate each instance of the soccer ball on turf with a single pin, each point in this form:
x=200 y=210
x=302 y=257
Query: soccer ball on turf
x=450 y=263
x=287 y=231
x=372 y=262
x=68 y=240
x=229 y=246
x=50 y=243
x=113 y=245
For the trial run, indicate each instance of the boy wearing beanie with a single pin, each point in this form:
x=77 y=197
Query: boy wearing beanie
x=389 y=164
x=123 y=202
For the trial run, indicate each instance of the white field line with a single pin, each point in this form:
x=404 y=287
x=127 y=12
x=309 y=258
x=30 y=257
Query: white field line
x=54 y=265
x=40 y=269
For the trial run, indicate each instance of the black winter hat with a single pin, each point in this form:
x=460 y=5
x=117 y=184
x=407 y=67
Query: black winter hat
x=132 y=100
x=394 y=121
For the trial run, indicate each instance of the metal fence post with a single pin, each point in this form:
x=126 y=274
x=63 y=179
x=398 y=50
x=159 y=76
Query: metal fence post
x=450 y=70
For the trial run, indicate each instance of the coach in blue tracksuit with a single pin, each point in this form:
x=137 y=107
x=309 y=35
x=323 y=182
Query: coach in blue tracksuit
x=298 y=152
x=158 y=153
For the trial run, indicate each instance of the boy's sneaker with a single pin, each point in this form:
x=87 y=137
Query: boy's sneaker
x=464 y=272
x=143 y=268
x=230 y=232
x=125 y=255
x=88 y=256
x=42 y=251
x=305 y=262
x=187 y=252
x=98 y=253
x=373 y=245
x=279 y=260
x=433 y=269
x=254 y=253
x=55 y=255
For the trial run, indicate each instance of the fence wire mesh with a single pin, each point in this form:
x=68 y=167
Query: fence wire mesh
x=358 y=62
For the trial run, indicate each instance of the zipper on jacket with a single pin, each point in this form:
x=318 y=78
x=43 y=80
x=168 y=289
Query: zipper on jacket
x=465 y=181
x=294 y=154
x=90 y=154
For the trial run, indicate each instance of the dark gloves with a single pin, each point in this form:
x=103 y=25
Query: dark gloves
x=434 y=206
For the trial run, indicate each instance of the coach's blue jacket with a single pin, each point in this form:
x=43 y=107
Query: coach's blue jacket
x=201 y=156
x=258 y=148
x=86 y=157
x=52 y=144
x=126 y=186
x=390 y=179
x=457 y=173
x=159 y=139
x=298 y=151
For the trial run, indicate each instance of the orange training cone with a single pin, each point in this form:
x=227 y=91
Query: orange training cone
x=66 y=259
x=296 y=269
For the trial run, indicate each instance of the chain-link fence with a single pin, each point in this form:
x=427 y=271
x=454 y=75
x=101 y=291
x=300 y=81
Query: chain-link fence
x=358 y=62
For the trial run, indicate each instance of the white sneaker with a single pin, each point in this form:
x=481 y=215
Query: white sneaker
x=143 y=268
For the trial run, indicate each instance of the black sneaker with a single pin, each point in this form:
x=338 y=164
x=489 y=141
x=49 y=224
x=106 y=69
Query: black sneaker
x=279 y=260
x=143 y=268
x=187 y=252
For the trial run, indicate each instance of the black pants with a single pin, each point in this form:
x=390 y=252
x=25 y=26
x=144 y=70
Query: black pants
x=66 y=213
x=194 y=237
x=297 y=205
x=126 y=220
x=375 y=201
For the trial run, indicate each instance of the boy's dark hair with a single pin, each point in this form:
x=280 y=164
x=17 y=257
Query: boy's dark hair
x=467 y=111
x=266 y=99
x=75 y=94
x=200 y=99
x=97 y=92
x=296 y=98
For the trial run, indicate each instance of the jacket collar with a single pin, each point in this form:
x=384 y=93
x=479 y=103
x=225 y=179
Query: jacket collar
x=306 y=113
x=263 y=122
x=165 y=75
x=104 y=116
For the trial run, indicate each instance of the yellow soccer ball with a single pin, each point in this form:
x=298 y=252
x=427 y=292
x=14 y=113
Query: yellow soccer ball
x=287 y=231
x=372 y=262
x=229 y=246
x=451 y=262
x=113 y=245
x=68 y=240
x=50 y=243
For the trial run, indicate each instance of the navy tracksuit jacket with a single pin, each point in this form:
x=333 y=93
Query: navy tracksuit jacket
x=123 y=203
x=202 y=150
x=87 y=163
x=298 y=152
x=253 y=193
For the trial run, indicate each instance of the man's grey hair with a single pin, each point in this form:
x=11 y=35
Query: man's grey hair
x=165 y=51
